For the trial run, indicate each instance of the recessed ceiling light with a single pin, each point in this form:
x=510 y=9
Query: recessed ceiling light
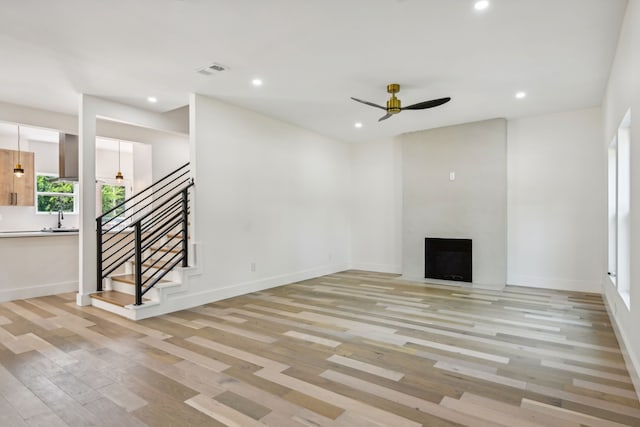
x=358 y=125
x=152 y=99
x=481 y=5
x=256 y=82
x=521 y=95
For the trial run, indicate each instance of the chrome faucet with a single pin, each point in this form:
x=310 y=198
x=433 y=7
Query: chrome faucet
x=60 y=218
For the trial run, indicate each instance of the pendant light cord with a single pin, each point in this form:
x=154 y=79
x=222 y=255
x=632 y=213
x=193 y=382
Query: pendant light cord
x=119 y=155
x=19 y=144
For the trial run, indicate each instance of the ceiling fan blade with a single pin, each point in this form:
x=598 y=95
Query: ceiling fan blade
x=427 y=104
x=385 y=117
x=368 y=103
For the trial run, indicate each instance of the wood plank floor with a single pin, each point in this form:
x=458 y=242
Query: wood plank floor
x=348 y=349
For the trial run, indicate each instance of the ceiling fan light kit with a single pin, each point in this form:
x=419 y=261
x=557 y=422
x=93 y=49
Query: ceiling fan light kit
x=394 y=105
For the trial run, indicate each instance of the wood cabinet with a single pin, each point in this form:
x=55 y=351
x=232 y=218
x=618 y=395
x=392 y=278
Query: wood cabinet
x=6 y=177
x=16 y=191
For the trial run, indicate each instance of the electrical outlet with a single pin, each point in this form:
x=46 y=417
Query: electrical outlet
x=253 y=267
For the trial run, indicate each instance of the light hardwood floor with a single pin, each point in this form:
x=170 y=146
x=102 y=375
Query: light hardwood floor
x=348 y=349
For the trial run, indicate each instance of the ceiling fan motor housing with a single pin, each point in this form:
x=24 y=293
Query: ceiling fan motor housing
x=393 y=104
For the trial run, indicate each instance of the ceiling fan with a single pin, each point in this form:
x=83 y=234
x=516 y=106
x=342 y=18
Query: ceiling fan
x=393 y=104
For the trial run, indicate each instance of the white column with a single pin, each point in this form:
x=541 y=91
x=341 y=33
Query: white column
x=87 y=181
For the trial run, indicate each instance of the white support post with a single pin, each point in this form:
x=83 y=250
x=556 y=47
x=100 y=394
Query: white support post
x=87 y=181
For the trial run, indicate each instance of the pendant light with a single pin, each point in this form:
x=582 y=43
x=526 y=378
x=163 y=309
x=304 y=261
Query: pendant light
x=18 y=171
x=119 y=176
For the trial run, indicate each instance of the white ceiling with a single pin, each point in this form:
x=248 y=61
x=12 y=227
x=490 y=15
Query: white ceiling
x=313 y=56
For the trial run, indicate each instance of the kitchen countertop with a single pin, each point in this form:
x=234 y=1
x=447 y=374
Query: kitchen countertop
x=35 y=233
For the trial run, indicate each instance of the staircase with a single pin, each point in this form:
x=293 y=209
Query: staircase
x=143 y=248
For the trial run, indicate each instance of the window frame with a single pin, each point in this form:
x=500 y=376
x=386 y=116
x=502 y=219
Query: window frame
x=619 y=210
x=73 y=195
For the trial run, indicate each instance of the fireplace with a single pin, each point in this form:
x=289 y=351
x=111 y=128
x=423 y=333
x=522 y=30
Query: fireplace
x=447 y=259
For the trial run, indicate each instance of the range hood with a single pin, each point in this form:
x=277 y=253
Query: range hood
x=68 y=152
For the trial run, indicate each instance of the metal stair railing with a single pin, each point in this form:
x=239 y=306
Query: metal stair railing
x=136 y=233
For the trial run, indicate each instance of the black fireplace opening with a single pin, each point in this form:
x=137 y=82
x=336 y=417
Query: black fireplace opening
x=447 y=259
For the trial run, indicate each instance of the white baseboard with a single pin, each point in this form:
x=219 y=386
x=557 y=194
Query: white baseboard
x=184 y=301
x=378 y=268
x=37 y=291
x=555 y=283
x=630 y=357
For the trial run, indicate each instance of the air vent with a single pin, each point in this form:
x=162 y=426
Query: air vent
x=212 y=69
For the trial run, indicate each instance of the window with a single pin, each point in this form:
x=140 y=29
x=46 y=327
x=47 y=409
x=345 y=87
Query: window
x=613 y=211
x=54 y=196
x=620 y=210
x=112 y=196
x=109 y=194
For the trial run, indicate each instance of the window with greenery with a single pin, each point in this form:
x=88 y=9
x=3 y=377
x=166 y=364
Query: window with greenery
x=53 y=196
x=112 y=196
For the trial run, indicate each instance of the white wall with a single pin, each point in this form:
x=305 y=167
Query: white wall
x=267 y=193
x=46 y=157
x=142 y=166
x=376 y=206
x=556 y=201
x=107 y=163
x=473 y=206
x=623 y=92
